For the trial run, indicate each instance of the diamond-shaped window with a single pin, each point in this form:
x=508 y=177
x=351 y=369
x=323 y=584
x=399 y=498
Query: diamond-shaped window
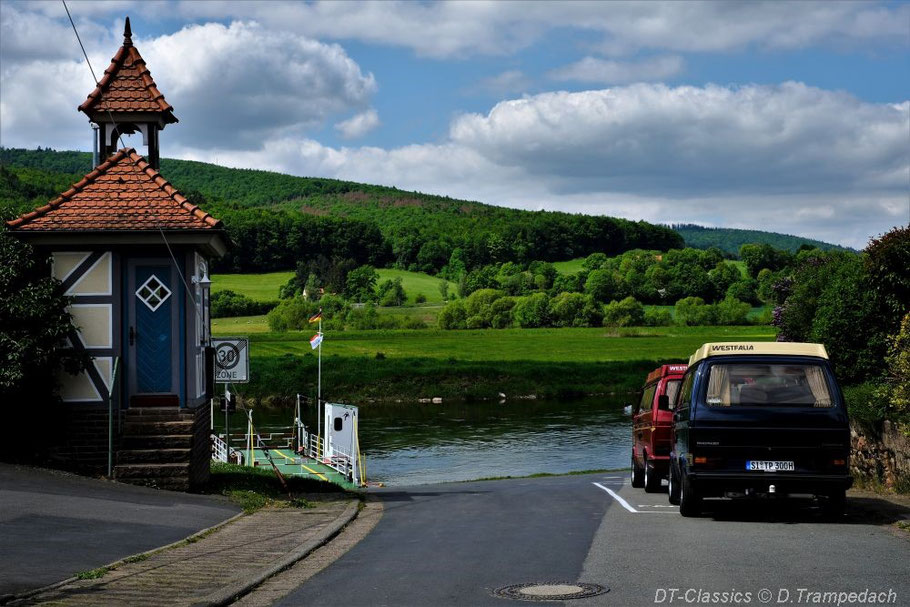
x=153 y=293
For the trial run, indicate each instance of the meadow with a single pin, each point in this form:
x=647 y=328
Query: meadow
x=471 y=364
x=265 y=287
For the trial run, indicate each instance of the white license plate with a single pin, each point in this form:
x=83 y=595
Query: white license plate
x=770 y=466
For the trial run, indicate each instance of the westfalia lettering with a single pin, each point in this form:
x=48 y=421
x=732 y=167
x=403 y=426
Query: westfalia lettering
x=732 y=348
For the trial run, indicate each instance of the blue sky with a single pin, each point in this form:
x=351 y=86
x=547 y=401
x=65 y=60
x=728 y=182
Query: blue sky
x=790 y=117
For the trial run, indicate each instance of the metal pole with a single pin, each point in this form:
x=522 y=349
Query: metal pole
x=110 y=420
x=319 y=397
x=227 y=424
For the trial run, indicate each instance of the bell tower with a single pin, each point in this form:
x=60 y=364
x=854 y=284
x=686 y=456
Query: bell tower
x=126 y=101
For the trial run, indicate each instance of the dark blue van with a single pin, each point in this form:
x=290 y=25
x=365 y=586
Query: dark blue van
x=759 y=419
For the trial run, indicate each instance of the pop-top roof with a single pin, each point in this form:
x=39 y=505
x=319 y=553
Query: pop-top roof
x=127 y=86
x=758 y=347
x=123 y=193
x=664 y=370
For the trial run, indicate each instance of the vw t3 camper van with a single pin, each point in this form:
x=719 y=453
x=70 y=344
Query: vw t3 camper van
x=651 y=421
x=760 y=419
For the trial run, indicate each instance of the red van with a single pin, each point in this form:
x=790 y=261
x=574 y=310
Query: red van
x=651 y=424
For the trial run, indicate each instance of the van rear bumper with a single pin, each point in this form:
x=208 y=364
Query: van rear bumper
x=716 y=483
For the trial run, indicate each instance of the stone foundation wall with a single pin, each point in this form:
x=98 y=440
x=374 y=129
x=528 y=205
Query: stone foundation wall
x=880 y=455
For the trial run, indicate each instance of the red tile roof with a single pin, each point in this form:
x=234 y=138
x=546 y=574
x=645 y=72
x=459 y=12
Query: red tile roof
x=123 y=193
x=127 y=85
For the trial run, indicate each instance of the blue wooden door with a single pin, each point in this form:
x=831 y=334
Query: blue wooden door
x=153 y=333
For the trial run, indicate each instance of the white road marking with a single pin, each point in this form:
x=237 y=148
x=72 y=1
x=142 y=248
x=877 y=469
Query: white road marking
x=628 y=507
x=621 y=501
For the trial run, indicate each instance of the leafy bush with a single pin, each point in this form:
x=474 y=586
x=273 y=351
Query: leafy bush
x=420 y=298
x=657 y=317
x=532 y=311
x=360 y=284
x=692 y=311
x=573 y=310
x=731 y=311
x=453 y=316
x=391 y=293
x=228 y=304
x=625 y=313
x=896 y=390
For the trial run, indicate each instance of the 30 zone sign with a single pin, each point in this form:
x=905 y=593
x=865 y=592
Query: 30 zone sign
x=232 y=360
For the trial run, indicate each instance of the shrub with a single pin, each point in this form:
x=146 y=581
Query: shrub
x=657 y=317
x=692 y=311
x=573 y=310
x=420 y=298
x=228 y=304
x=896 y=390
x=453 y=316
x=532 y=311
x=744 y=290
x=625 y=313
x=391 y=293
x=33 y=323
x=731 y=311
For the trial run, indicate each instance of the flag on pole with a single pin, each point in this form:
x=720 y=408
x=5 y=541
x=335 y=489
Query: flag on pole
x=316 y=340
x=315 y=317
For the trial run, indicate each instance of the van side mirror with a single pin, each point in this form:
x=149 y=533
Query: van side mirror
x=663 y=402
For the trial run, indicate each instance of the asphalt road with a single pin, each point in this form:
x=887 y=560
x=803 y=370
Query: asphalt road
x=454 y=544
x=53 y=524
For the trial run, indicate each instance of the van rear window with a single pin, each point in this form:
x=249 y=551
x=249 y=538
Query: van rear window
x=673 y=390
x=769 y=384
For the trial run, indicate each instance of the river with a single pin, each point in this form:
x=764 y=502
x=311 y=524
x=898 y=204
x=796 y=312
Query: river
x=418 y=444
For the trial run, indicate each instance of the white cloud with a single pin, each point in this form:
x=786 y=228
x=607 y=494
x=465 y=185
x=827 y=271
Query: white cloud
x=602 y=71
x=786 y=158
x=236 y=85
x=448 y=29
x=654 y=139
x=231 y=86
x=359 y=125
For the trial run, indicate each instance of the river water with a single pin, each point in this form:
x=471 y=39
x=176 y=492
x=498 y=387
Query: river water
x=418 y=444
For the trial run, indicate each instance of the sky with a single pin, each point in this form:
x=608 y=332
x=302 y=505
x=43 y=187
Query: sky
x=791 y=117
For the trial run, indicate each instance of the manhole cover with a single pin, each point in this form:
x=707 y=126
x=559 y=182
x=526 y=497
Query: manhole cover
x=549 y=591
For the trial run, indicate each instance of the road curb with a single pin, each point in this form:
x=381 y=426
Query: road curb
x=7 y=599
x=232 y=593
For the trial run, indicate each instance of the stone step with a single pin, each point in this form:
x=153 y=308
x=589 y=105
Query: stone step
x=125 y=471
x=131 y=427
x=171 y=483
x=156 y=441
x=154 y=456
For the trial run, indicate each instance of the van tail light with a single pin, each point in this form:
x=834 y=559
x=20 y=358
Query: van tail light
x=701 y=460
x=839 y=462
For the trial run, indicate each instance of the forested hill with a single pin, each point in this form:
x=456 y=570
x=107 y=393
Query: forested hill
x=278 y=221
x=731 y=239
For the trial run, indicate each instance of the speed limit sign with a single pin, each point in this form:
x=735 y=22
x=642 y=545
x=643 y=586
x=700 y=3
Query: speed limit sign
x=232 y=360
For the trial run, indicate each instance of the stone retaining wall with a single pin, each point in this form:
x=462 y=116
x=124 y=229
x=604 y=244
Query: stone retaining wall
x=880 y=455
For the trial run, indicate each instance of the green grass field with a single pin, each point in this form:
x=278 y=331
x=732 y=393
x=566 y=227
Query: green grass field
x=471 y=364
x=259 y=287
x=569 y=267
x=264 y=287
x=417 y=282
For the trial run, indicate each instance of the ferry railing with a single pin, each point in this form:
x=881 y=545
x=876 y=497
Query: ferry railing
x=221 y=451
